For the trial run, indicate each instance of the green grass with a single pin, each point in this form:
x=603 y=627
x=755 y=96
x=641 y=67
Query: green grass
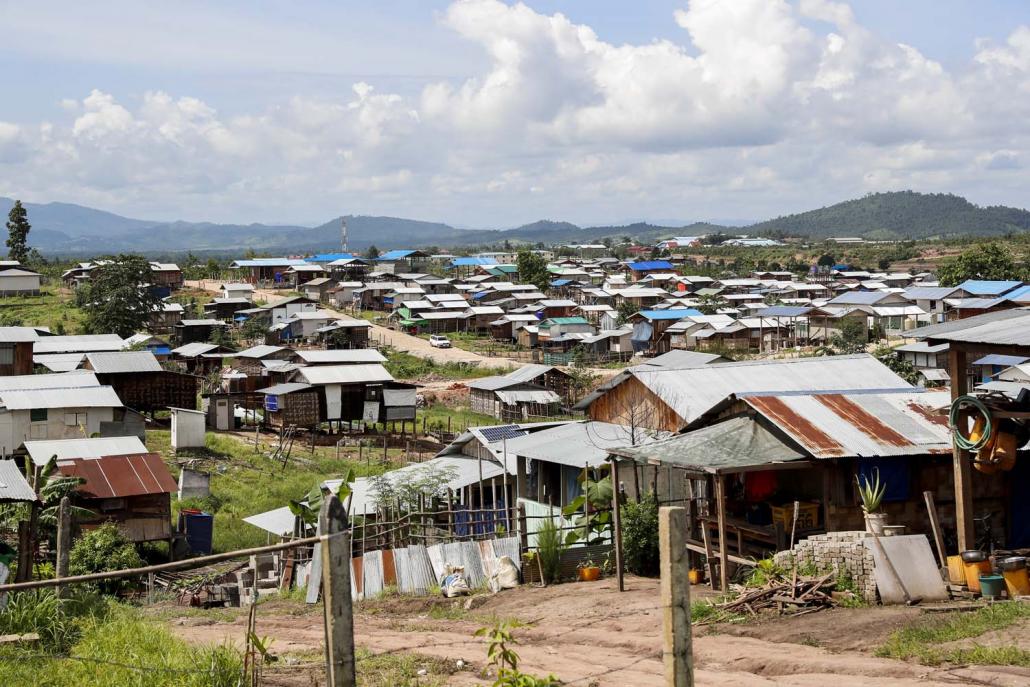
x=105 y=643
x=922 y=641
x=245 y=482
x=51 y=309
x=403 y=365
x=437 y=415
x=401 y=670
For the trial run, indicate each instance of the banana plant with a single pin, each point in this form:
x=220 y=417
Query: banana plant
x=308 y=508
x=595 y=527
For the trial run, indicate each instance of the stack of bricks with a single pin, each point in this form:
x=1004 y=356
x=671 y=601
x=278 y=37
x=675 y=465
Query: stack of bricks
x=840 y=552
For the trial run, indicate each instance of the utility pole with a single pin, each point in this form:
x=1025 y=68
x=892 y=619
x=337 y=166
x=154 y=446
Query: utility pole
x=339 y=617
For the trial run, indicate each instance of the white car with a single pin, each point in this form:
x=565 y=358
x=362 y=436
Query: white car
x=439 y=341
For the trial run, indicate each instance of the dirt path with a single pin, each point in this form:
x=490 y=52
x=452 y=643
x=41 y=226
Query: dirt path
x=591 y=635
x=398 y=340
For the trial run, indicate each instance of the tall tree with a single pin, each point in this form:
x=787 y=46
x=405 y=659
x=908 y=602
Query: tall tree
x=533 y=270
x=983 y=261
x=18 y=233
x=116 y=299
x=372 y=253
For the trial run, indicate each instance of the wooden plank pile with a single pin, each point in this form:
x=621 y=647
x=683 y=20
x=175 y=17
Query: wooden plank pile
x=796 y=596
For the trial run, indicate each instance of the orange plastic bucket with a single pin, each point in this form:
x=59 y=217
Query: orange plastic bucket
x=973 y=572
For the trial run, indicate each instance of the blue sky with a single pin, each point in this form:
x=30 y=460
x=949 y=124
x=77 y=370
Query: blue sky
x=482 y=113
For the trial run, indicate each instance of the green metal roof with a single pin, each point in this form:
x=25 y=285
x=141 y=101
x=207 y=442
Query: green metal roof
x=563 y=320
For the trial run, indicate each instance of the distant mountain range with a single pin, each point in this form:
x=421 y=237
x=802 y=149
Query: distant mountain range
x=68 y=229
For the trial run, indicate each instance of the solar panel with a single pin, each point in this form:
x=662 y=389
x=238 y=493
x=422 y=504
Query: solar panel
x=502 y=432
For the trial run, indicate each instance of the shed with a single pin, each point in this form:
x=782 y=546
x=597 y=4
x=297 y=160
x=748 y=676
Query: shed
x=292 y=403
x=140 y=381
x=133 y=490
x=188 y=428
x=18 y=281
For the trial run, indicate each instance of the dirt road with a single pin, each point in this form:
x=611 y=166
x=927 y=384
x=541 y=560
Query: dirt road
x=591 y=635
x=398 y=340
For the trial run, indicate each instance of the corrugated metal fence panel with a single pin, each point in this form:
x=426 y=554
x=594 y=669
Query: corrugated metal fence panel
x=487 y=557
x=436 y=559
x=402 y=568
x=372 y=572
x=420 y=570
x=473 y=564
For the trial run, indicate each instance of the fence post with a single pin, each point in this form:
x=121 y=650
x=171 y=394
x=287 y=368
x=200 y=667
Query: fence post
x=339 y=616
x=675 y=591
x=64 y=538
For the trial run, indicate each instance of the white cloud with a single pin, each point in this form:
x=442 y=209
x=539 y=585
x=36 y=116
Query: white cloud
x=758 y=107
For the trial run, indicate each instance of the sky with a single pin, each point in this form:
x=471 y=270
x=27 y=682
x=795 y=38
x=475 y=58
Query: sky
x=484 y=113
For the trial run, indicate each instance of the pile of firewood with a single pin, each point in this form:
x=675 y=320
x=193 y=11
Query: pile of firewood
x=788 y=596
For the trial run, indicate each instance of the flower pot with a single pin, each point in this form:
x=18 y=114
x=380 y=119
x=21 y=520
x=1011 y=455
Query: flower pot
x=590 y=573
x=875 y=522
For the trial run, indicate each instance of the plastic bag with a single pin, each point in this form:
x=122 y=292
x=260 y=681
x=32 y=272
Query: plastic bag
x=454 y=583
x=505 y=575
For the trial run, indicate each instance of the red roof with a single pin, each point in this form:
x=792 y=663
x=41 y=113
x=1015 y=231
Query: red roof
x=120 y=476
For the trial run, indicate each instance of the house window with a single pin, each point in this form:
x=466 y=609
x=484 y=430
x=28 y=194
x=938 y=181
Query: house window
x=74 y=419
x=38 y=415
x=6 y=354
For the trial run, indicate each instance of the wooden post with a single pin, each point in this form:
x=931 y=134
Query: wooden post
x=507 y=494
x=386 y=458
x=617 y=517
x=675 y=590
x=523 y=529
x=64 y=538
x=339 y=617
x=935 y=525
x=961 y=459
x=720 y=511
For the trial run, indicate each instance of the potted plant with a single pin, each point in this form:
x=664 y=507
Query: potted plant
x=588 y=571
x=871 y=493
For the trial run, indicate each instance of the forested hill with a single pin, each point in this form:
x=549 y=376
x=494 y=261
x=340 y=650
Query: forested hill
x=899 y=215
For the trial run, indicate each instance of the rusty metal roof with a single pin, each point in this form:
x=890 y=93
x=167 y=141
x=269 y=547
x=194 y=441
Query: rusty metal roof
x=860 y=424
x=111 y=477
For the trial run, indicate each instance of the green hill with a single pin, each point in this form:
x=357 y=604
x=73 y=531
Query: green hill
x=899 y=215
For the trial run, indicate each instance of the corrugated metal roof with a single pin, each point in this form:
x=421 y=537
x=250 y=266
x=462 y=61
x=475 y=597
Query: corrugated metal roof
x=650 y=265
x=18 y=334
x=669 y=313
x=110 y=477
x=88 y=397
x=259 y=351
x=63 y=380
x=679 y=359
x=342 y=356
x=931 y=293
x=344 y=374
x=60 y=362
x=13 y=486
x=278 y=522
x=834 y=425
x=858 y=298
x=725 y=447
x=577 y=443
x=979 y=287
x=66 y=449
x=784 y=311
x=80 y=342
x=111 y=362
x=922 y=347
x=192 y=350
x=997 y=359
x=1002 y=328
x=530 y=396
x=693 y=392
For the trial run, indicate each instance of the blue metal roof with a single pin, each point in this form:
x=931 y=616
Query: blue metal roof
x=472 y=262
x=561 y=282
x=395 y=254
x=988 y=288
x=784 y=311
x=645 y=265
x=329 y=257
x=1022 y=294
x=670 y=314
x=1001 y=360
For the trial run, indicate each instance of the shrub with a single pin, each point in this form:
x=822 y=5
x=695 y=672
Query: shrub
x=102 y=549
x=550 y=544
x=640 y=535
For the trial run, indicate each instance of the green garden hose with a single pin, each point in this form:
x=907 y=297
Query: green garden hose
x=961 y=440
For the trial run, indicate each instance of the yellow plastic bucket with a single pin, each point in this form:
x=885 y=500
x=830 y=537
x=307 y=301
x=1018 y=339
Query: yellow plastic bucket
x=956 y=571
